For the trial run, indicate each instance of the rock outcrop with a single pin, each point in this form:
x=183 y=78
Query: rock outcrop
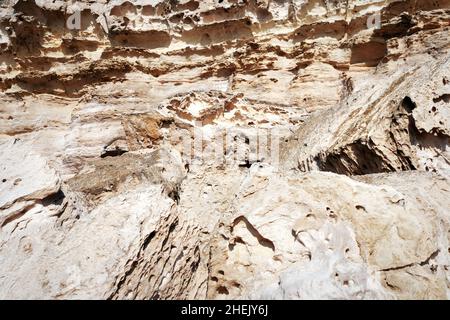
x=259 y=149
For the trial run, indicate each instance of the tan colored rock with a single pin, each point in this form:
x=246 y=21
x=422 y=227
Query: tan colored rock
x=324 y=236
x=322 y=170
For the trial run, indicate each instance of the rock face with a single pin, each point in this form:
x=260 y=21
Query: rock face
x=259 y=149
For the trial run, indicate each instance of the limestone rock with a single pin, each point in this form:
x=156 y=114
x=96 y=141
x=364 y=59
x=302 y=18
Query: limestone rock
x=289 y=149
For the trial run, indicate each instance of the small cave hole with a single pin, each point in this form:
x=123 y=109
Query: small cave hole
x=222 y=290
x=408 y=104
x=54 y=199
x=112 y=153
x=246 y=164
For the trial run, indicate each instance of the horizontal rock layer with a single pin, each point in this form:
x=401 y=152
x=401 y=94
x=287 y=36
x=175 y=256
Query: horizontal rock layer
x=259 y=149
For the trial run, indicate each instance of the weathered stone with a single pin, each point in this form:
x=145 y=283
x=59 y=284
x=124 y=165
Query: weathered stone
x=322 y=172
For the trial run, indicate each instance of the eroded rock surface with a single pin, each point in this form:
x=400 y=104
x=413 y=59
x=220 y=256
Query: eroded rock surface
x=260 y=149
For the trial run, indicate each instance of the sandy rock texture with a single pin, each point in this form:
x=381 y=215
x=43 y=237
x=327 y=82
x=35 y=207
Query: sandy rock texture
x=235 y=149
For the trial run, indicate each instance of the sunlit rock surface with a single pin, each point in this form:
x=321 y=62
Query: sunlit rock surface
x=259 y=149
